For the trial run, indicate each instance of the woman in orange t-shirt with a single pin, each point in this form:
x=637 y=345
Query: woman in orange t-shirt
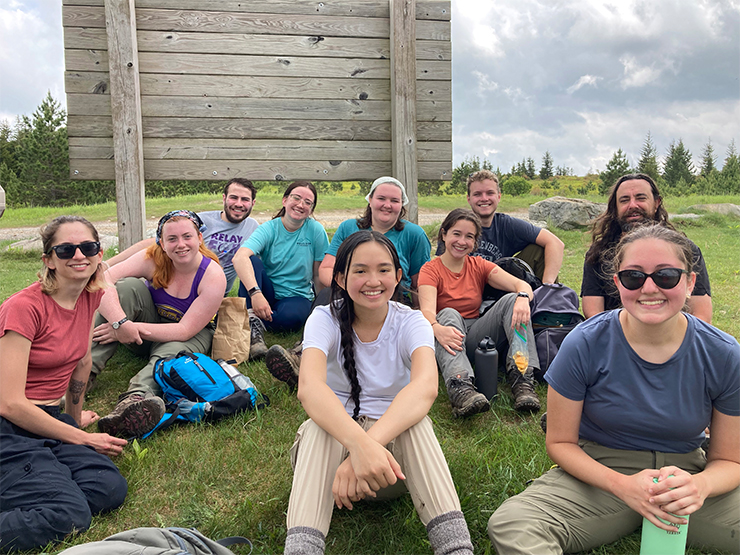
x=450 y=295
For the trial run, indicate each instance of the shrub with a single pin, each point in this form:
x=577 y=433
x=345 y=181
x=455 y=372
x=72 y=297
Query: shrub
x=515 y=186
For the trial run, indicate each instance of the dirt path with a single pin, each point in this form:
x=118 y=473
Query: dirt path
x=330 y=220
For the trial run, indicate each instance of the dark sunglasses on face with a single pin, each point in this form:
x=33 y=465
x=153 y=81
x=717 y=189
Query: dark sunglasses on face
x=67 y=251
x=665 y=278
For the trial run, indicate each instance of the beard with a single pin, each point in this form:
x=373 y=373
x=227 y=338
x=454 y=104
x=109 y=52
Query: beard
x=234 y=220
x=628 y=225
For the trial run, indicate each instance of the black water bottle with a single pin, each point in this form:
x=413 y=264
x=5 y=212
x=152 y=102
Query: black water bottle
x=486 y=368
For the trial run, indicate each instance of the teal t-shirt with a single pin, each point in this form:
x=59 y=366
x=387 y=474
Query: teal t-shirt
x=412 y=245
x=288 y=257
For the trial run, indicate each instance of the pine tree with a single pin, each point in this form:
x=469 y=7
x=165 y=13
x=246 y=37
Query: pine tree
x=615 y=168
x=708 y=160
x=531 y=171
x=43 y=155
x=678 y=166
x=460 y=173
x=546 y=169
x=648 y=163
x=730 y=175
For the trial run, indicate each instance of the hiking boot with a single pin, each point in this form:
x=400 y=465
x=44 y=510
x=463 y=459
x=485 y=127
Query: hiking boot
x=465 y=400
x=134 y=416
x=522 y=387
x=257 y=345
x=283 y=364
x=543 y=422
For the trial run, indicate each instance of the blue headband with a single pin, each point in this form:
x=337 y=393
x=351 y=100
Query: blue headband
x=192 y=216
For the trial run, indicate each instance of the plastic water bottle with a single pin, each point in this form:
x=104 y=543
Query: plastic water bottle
x=486 y=368
x=239 y=379
x=656 y=541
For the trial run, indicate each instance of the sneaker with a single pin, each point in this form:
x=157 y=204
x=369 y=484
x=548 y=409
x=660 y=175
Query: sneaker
x=283 y=364
x=257 y=345
x=134 y=416
x=522 y=387
x=465 y=400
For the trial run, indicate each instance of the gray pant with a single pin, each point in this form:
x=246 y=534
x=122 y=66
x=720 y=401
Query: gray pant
x=137 y=303
x=558 y=513
x=496 y=324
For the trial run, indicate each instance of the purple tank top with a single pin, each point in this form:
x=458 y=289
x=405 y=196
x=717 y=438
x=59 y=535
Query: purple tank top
x=173 y=308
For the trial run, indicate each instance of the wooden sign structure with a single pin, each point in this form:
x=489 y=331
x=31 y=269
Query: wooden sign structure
x=329 y=90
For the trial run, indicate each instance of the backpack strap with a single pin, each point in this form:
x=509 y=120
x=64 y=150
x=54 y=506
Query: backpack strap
x=233 y=540
x=166 y=421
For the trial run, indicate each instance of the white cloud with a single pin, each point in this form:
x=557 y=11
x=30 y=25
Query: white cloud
x=636 y=75
x=583 y=81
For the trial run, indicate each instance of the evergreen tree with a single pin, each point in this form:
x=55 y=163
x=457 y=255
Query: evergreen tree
x=615 y=168
x=708 y=160
x=43 y=155
x=460 y=173
x=546 y=169
x=648 y=163
x=678 y=166
x=730 y=175
x=531 y=172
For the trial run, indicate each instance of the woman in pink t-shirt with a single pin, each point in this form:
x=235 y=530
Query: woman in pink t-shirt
x=53 y=475
x=450 y=295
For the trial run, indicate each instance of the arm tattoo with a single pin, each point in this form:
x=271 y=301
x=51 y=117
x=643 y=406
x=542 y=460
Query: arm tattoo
x=76 y=388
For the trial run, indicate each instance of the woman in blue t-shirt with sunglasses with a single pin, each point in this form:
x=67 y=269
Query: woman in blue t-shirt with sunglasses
x=631 y=392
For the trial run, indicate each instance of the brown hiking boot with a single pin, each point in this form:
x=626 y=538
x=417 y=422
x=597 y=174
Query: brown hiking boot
x=522 y=387
x=283 y=364
x=257 y=345
x=465 y=400
x=133 y=416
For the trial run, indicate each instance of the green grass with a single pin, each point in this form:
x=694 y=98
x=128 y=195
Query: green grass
x=234 y=477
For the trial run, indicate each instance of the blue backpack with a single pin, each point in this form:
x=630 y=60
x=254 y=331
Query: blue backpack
x=197 y=388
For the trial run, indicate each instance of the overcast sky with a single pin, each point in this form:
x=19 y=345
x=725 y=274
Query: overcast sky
x=580 y=78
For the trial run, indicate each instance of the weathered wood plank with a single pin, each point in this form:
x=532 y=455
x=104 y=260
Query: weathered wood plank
x=265 y=66
x=238 y=43
x=226 y=169
x=257 y=23
x=403 y=99
x=271 y=108
x=124 y=104
x=255 y=87
x=256 y=149
x=215 y=128
x=426 y=9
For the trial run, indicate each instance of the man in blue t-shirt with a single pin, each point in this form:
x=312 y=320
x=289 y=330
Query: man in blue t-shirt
x=504 y=236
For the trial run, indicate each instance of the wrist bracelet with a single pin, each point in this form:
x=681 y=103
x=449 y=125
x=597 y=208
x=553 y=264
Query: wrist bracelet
x=435 y=322
x=253 y=291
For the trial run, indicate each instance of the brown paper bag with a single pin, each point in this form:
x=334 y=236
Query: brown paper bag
x=232 y=337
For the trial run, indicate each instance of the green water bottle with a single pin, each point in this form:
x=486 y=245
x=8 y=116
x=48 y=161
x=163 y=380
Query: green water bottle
x=656 y=541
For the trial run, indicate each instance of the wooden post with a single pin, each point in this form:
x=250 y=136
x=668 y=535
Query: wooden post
x=128 y=151
x=403 y=99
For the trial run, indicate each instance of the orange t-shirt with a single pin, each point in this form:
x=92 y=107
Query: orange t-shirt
x=463 y=291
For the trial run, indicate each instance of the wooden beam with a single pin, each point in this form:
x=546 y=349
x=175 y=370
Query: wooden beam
x=125 y=101
x=403 y=99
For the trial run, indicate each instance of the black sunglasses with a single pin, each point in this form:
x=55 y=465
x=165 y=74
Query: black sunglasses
x=665 y=278
x=67 y=251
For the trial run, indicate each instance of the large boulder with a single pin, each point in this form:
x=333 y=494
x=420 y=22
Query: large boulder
x=566 y=213
x=106 y=241
x=721 y=208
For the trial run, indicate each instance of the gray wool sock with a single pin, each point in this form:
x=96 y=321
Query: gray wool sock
x=302 y=540
x=448 y=533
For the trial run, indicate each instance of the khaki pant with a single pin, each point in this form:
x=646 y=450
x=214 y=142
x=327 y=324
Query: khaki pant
x=316 y=455
x=558 y=513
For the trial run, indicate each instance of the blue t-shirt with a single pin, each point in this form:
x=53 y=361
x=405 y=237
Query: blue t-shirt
x=629 y=403
x=506 y=237
x=412 y=245
x=288 y=257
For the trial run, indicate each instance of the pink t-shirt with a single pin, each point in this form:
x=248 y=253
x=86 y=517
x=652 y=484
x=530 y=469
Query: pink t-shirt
x=463 y=291
x=59 y=337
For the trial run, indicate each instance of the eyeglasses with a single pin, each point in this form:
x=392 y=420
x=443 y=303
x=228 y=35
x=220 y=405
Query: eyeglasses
x=665 y=278
x=305 y=201
x=67 y=251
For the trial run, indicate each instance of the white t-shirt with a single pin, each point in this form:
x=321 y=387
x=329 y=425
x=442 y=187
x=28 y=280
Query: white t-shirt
x=383 y=365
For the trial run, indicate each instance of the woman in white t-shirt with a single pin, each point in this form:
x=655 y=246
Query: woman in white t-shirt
x=367 y=380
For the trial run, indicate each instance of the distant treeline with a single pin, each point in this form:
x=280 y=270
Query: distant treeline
x=34 y=170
